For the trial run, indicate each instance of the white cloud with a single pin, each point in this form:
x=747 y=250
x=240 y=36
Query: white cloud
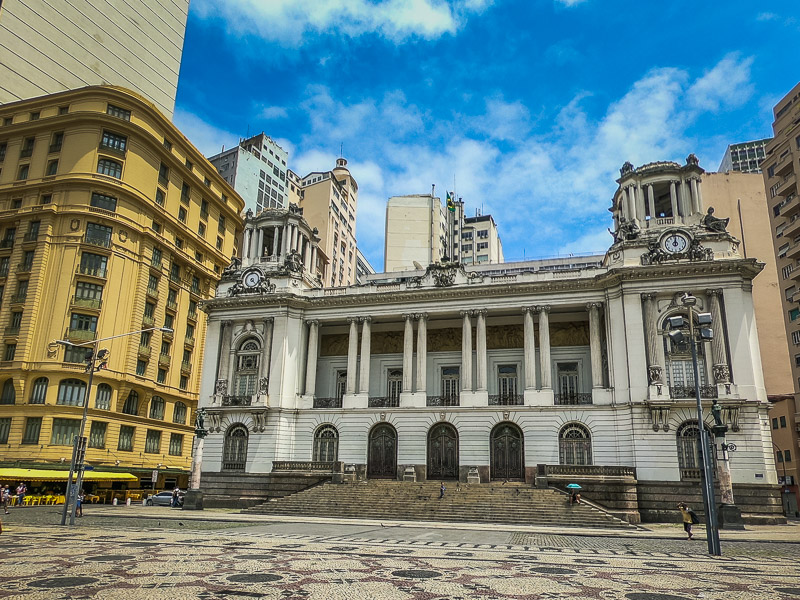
x=290 y=21
x=724 y=86
x=207 y=138
x=766 y=16
x=273 y=112
x=570 y=3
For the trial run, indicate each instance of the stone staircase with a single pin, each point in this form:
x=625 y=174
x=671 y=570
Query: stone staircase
x=513 y=503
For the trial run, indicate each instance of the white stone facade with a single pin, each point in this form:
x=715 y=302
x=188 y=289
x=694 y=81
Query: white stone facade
x=527 y=368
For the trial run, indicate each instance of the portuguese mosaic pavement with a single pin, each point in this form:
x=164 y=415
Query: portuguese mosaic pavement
x=112 y=562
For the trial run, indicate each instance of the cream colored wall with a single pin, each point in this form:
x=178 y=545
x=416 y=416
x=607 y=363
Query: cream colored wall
x=409 y=232
x=54 y=45
x=729 y=194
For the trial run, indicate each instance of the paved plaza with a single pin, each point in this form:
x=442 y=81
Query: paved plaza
x=158 y=553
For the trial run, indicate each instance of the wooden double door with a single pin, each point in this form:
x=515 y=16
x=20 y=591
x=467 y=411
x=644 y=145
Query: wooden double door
x=442 y=452
x=507 y=453
x=382 y=453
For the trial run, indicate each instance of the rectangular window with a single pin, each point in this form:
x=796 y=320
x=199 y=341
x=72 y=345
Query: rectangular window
x=112 y=168
x=221 y=225
x=167 y=144
x=775 y=422
x=98 y=235
x=201 y=229
x=789 y=292
x=126 y=433
x=779 y=456
x=161 y=376
x=163 y=174
x=22 y=174
x=160 y=197
x=93 y=264
x=27 y=147
x=120 y=113
x=189 y=164
x=57 y=142
x=5 y=427
x=88 y=294
x=97 y=434
x=787 y=271
x=787 y=456
x=64 y=431
x=182 y=214
x=152 y=285
x=796 y=338
x=114 y=141
x=10 y=352
x=175 y=444
x=794 y=314
x=82 y=322
x=103 y=201
x=27 y=261
x=783 y=250
x=783 y=421
x=75 y=354
x=186 y=192
x=183 y=383
x=3 y=147
x=152 y=444
x=149 y=309
x=156 y=226
x=52 y=168
x=204 y=209
x=33 y=427
x=141 y=367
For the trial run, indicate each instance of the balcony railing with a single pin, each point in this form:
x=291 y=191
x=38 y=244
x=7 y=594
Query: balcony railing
x=383 y=402
x=687 y=391
x=24 y=267
x=104 y=241
x=175 y=278
x=186 y=366
x=237 y=400
x=694 y=474
x=506 y=400
x=327 y=403
x=12 y=330
x=312 y=465
x=6 y=243
x=144 y=350
x=163 y=360
x=19 y=297
x=443 y=401
x=172 y=305
x=572 y=399
x=188 y=341
x=148 y=321
x=152 y=292
x=30 y=236
x=81 y=335
x=192 y=315
x=92 y=271
x=87 y=302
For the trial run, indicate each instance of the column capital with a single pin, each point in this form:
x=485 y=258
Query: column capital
x=422 y=316
x=528 y=309
x=481 y=311
x=408 y=316
x=226 y=323
x=465 y=313
x=648 y=296
x=365 y=319
x=714 y=292
x=544 y=308
x=594 y=305
x=312 y=321
x=353 y=319
x=269 y=319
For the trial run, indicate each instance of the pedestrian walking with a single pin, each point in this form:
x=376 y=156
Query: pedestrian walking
x=175 y=497
x=441 y=491
x=5 y=498
x=22 y=489
x=689 y=519
x=79 y=504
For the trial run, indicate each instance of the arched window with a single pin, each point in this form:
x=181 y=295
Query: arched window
x=112 y=168
x=247 y=360
x=39 y=390
x=234 y=456
x=102 y=398
x=179 y=413
x=574 y=445
x=131 y=406
x=9 y=395
x=326 y=444
x=157 y=408
x=689 y=448
x=71 y=392
x=680 y=370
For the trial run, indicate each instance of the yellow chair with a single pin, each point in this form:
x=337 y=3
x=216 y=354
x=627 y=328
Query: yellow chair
x=49 y=499
x=27 y=501
x=59 y=500
x=36 y=500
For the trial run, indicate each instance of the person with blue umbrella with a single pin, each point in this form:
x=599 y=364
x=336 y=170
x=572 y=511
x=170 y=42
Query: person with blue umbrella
x=574 y=493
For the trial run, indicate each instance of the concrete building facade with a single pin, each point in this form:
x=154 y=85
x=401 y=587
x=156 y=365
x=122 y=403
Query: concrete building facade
x=524 y=370
x=112 y=222
x=781 y=169
x=49 y=46
x=416 y=231
x=257 y=170
x=480 y=242
x=745 y=157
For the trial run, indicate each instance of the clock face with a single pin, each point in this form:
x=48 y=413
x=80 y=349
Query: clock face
x=675 y=243
x=252 y=279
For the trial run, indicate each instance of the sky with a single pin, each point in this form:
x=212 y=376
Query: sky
x=527 y=108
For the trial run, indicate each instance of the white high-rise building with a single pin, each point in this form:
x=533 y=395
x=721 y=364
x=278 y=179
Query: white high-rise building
x=256 y=169
x=49 y=46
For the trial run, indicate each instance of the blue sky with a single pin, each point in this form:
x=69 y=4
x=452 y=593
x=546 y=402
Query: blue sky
x=530 y=106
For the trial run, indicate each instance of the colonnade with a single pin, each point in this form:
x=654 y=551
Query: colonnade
x=685 y=199
x=286 y=238
x=361 y=356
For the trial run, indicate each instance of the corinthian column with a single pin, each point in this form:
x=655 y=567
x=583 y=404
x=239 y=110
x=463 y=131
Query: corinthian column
x=695 y=208
x=422 y=353
x=366 y=334
x=544 y=346
x=223 y=360
x=311 y=361
x=352 y=356
x=651 y=202
x=530 y=349
x=594 y=344
x=408 y=352
x=266 y=355
x=722 y=373
x=480 y=350
x=655 y=373
x=673 y=200
x=466 y=351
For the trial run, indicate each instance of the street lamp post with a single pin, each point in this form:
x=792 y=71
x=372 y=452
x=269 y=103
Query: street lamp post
x=706 y=473
x=785 y=481
x=96 y=359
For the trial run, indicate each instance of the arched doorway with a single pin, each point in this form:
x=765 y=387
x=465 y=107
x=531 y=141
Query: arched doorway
x=382 y=453
x=443 y=452
x=507 y=456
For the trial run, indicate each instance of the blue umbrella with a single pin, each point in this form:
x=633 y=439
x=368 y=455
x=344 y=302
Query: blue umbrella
x=574 y=486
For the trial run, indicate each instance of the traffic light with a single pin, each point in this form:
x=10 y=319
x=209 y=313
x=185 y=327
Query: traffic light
x=102 y=359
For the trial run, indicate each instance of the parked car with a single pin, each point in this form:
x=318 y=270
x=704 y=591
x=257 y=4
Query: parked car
x=163 y=499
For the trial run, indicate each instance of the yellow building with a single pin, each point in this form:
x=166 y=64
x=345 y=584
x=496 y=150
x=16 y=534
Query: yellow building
x=111 y=222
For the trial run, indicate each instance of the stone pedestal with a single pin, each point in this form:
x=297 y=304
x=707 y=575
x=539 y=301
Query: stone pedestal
x=473 y=476
x=410 y=473
x=193 y=500
x=729 y=516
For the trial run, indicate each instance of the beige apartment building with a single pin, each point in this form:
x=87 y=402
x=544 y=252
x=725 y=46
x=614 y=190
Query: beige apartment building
x=329 y=200
x=780 y=170
x=49 y=46
x=416 y=231
x=113 y=224
x=480 y=241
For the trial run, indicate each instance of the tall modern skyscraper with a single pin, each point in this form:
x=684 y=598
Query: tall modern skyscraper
x=49 y=46
x=745 y=157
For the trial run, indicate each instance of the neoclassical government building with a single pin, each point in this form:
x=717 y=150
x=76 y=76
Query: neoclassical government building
x=491 y=372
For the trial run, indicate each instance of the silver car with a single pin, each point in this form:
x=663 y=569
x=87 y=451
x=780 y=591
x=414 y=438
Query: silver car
x=163 y=499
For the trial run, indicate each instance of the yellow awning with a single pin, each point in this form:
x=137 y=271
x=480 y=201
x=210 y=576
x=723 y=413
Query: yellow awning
x=61 y=475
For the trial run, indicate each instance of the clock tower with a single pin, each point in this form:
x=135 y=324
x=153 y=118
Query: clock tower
x=659 y=217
